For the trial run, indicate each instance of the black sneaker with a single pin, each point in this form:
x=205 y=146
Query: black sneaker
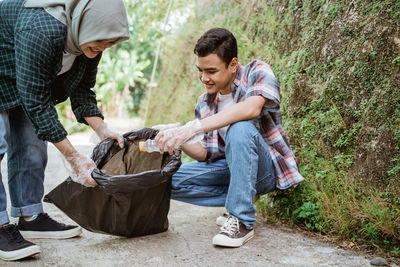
x=233 y=233
x=13 y=246
x=45 y=227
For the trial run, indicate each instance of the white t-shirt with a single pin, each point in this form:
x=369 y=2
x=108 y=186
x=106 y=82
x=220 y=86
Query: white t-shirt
x=67 y=62
x=224 y=101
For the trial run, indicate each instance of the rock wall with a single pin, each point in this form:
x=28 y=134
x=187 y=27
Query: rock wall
x=345 y=57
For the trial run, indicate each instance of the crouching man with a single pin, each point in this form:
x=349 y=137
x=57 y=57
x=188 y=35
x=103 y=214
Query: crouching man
x=245 y=151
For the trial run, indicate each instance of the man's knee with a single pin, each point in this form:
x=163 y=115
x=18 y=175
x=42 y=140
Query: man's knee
x=240 y=132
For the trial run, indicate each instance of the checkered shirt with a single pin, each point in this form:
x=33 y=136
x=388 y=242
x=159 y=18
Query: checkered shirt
x=31 y=47
x=257 y=79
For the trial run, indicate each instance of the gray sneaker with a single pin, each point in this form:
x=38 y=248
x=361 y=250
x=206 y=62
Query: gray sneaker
x=232 y=233
x=221 y=219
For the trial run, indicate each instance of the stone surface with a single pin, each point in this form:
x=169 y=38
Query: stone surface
x=378 y=261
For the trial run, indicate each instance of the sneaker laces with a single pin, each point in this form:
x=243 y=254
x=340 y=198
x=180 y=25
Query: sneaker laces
x=13 y=233
x=231 y=226
x=46 y=217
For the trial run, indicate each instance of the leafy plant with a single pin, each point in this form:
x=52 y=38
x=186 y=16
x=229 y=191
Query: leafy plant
x=309 y=213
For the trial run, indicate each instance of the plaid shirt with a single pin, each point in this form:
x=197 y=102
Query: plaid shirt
x=31 y=47
x=256 y=79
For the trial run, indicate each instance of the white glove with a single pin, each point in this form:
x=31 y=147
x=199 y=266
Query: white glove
x=163 y=127
x=104 y=132
x=173 y=138
x=82 y=168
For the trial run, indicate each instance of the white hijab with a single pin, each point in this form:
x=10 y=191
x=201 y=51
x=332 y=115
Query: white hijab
x=87 y=20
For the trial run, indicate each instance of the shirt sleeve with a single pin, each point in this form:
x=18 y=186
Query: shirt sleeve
x=83 y=99
x=34 y=60
x=262 y=82
x=197 y=115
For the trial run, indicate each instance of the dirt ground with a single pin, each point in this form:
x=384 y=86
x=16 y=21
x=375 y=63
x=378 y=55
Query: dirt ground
x=186 y=243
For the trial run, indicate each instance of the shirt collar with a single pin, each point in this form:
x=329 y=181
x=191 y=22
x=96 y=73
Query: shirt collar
x=238 y=79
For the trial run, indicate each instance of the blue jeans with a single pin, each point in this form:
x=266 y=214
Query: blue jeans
x=26 y=161
x=248 y=170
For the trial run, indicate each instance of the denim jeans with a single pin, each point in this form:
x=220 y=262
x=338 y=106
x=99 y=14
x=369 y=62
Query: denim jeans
x=26 y=161
x=248 y=170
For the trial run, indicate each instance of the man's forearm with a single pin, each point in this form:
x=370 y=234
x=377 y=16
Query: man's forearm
x=195 y=151
x=246 y=110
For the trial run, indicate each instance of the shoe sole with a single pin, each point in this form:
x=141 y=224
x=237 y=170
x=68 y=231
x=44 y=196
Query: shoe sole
x=20 y=253
x=225 y=241
x=52 y=234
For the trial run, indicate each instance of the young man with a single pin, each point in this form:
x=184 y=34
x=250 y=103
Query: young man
x=241 y=117
x=49 y=51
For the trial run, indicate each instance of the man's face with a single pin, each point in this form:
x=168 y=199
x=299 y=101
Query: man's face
x=215 y=75
x=92 y=49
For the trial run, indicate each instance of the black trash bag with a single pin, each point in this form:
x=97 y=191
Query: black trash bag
x=133 y=196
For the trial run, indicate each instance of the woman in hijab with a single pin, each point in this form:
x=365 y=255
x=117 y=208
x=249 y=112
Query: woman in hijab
x=49 y=51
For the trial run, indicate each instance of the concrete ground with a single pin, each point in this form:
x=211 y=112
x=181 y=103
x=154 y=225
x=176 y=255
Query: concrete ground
x=186 y=243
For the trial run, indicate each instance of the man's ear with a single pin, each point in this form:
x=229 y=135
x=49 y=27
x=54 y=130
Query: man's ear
x=233 y=65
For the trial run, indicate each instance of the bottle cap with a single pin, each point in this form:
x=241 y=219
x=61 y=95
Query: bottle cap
x=142 y=146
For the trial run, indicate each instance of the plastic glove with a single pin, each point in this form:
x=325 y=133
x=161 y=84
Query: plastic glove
x=82 y=169
x=173 y=138
x=104 y=132
x=163 y=127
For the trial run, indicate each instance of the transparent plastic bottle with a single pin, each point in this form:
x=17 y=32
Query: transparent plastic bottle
x=150 y=145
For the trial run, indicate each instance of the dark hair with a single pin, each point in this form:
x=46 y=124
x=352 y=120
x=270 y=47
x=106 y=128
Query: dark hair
x=219 y=41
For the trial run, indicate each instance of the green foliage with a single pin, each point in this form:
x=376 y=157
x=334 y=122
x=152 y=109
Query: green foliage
x=67 y=118
x=121 y=78
x=185 y=158
x=125 y=69
x=396 y=61
x=309 y=212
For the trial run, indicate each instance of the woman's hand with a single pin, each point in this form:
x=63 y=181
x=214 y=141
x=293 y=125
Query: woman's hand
x=102 y=130
x=82 y=166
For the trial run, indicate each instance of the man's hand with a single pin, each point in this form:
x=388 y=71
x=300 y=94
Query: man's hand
x=173 y=138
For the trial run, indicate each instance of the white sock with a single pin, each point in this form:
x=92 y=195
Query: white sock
x=31 y=219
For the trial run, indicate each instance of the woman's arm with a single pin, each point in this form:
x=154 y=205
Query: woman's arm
x=83 y=98
x=102 y=130
x=35 y=70
x=79 y=163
